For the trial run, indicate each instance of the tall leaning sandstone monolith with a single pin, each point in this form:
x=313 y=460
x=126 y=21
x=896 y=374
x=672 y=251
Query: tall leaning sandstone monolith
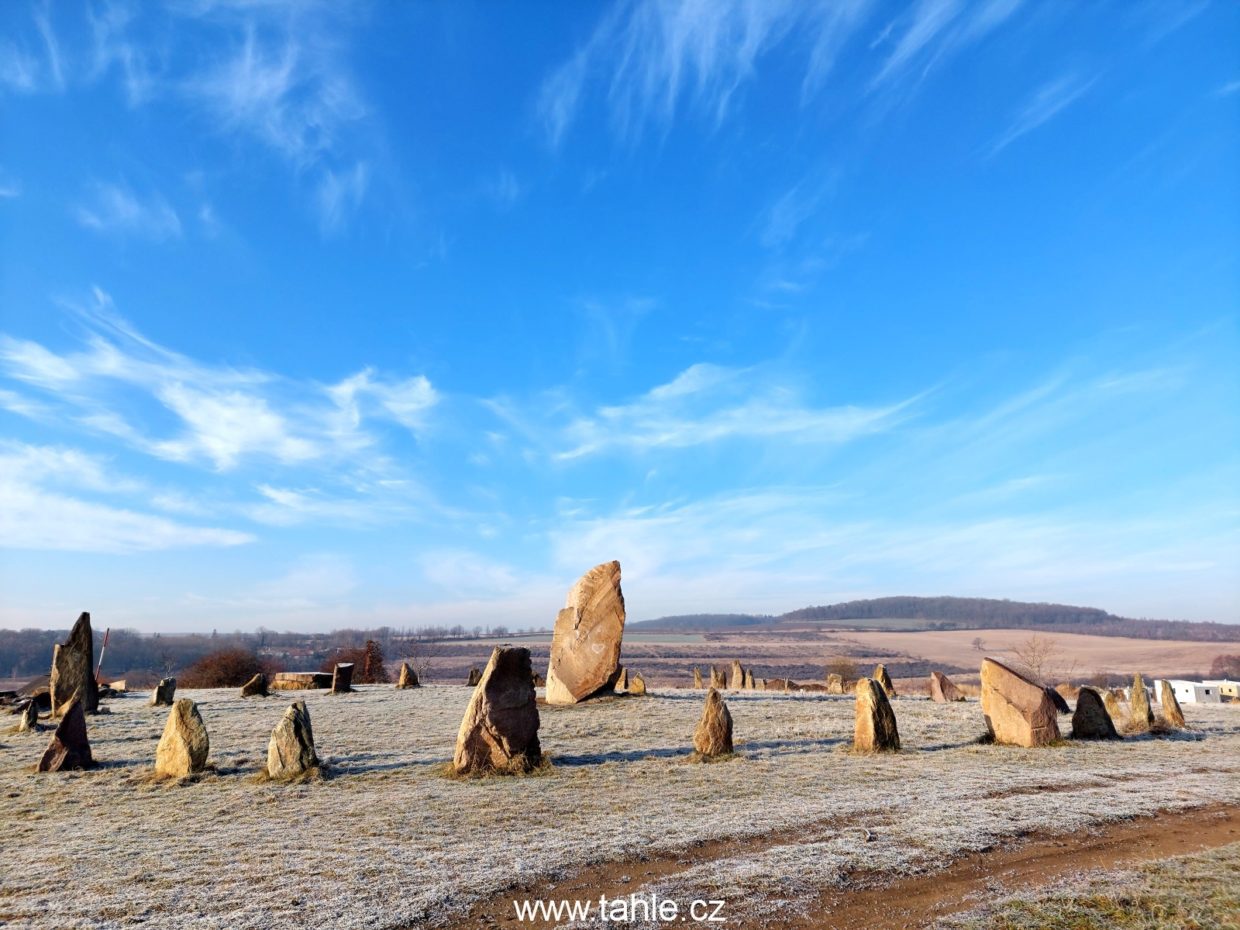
x=585 y=647
x=69 y=748
x=713 y=735
x=1171 y=711
x=183 y=748
x=1091 y=719
x=1142 y=715
x=1111 y=702
x=874 y=722
x=499 y=732
x=1018 y=712
x=881 y=676
x=749 y=680
x=71 y=669
x=697 y=677
x=291 y=750
x=943 y=690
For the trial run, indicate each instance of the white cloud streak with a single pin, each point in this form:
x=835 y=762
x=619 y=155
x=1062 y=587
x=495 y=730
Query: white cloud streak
x=114 y=208
x=1048 y=101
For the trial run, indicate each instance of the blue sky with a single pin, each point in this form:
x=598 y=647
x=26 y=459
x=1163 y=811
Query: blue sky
x=316 y=315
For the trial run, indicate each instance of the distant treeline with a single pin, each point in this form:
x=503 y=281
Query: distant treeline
x=142 y=658
x=943 y=613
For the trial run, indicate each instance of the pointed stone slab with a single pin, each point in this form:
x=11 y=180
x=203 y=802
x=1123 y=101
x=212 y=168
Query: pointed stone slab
x=1091 y=719
x=1114 y=709
x=881 y=676
x=622 y=679
x=1171 y=711
x=1060 y=702
x=749 y=682
x=697 y=677
x=499 y=732
x=717 y=678
x=30 y=718
x=835 y=683
x=291 y=750
x=943 y=690
x=256 y=686
x=585 y=647
x=637 y=684
x=183 y=748
x=71 y=669
x=408 y=677
x=69 y=748
x=874 y=722
x=737 y=682
x=475 y=676
x=165 y=693
x=713 y=735
x=1018 y=712
x=1141 y=714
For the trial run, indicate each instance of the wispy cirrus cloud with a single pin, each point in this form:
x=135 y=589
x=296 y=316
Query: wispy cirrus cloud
x=706 y=404
x=44 y=504
x=225 y=416
x=1047 y=102
x=116 y=209
x=651 y=57
x=933 y=31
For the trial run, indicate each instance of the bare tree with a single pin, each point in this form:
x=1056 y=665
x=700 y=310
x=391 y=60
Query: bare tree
x=844 y=667
x=1042 y=658
x=978 y=644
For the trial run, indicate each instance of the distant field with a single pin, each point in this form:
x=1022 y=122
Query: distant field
x=1091 y=654
x=389 y=843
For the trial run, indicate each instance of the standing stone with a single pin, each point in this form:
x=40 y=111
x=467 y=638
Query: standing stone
x=835 y=683
x=164 y=693
x=1142 y=713
x=637 y=684
x=622 y=679
x=475 y=676
x=874 y=722
x=697 y=677
x=184 y=746
x=881 y=676
x=1018 y=712
x=291 y=750
x=585 y=647
x=71 y=669
x=713 y=735
x=69 y=748
x=342 y=678
x=749 y=683
x=1170 y=705
x=943 y=690
x=499 y=732
x=717 y=678
x=738 y=676
x=1091 y=720
x=539 y=681
x=1114 y=710
x=408 y=677
x=30 y=718
x=255 y=687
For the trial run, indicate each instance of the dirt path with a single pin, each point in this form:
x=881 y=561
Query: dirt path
x=906 y=904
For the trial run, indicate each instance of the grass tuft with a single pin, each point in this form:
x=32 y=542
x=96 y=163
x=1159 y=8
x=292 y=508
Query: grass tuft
x=515 y=769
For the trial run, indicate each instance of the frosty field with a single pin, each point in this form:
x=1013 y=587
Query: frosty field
x=387 y=841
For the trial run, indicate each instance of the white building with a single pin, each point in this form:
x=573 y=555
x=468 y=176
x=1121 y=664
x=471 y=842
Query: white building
x=1196 y=692
x=1226 y=687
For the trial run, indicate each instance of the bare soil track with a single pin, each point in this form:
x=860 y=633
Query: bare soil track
x=908 y=903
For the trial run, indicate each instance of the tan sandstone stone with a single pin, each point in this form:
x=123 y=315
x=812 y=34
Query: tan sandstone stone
x=874 y=722
x=943 y=690
x=737 y=682
x=622 y=679
x=713 y=735
x=717 y=678
x=1018 y=712
x=1091 y=720
x=408 y=677
x=697 y=677
x=255 y=687
x=69 y=748
x=71 y=670
x=30 y=718
x=835 y=683
x=164 y=693
x=585 y=646
x=881 y=676
x=1171 y=711
x=183 y=748
x=637 y=684
x=1141 y=714
x=499 y=732
x=291 y=750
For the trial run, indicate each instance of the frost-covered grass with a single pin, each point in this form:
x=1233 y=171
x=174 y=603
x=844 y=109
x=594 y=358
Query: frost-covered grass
x=1197 y=891
x=387 y=841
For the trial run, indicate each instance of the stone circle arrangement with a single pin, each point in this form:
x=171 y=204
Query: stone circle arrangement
x=499 y=731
